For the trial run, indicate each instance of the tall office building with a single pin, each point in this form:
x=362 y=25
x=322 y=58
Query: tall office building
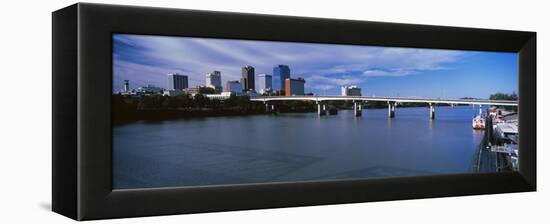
x=294 y=87
x=247 y=79
x=283 y=72
x=214 y=80
x=265 y=84
x=234 y=87
x=351 y=91
x=177 y=81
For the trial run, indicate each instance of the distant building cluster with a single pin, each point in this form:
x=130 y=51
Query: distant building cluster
x=213 y=88
x=351 y=91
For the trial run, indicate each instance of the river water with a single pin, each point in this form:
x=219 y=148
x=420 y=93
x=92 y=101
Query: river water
x=293 y=147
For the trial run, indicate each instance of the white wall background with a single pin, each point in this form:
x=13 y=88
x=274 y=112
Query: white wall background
x=25 y=112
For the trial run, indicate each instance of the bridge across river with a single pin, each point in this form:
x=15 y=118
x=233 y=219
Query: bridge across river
x=392 y=102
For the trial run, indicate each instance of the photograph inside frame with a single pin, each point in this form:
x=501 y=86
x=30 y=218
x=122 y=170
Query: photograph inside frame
x=205 y=111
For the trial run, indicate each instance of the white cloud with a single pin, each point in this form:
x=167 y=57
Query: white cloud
x=387 y=73
x=322 y=82
x=322 y=65
x=322 y=87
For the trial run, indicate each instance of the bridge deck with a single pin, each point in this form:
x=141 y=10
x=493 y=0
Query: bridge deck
x=386 y=99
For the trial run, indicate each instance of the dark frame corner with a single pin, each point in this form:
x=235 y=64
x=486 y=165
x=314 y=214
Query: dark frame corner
x=82 y=126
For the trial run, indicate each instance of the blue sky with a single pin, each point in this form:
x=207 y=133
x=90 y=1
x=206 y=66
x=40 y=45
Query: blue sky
x=380 y=71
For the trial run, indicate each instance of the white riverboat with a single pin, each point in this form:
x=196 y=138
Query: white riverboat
x=478 y=122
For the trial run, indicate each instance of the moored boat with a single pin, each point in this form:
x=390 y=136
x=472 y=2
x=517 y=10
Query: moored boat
x=478 y=122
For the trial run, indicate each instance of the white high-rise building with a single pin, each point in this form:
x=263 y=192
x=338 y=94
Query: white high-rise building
x=351 y=91
x=214 y=80
x=265 y=84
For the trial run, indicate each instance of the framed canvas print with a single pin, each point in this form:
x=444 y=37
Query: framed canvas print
x=168 y=111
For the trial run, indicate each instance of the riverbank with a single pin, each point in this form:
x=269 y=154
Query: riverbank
x=496 y=152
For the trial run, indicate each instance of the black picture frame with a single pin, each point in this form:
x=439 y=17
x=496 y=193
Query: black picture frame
x=82 y=66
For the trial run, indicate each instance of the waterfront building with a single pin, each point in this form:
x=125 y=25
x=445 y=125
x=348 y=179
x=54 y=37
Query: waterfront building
x=177 y=81
x=149 y=89
x=283 y=72
x=506 y=133
x=199 y=90
x=173 y=92
x=247 y=79
x=214 y=80
x=294 y=87
x=192 y=90
x=220 y=96
x=266 y=83
x=234 y=86
x=351 y=91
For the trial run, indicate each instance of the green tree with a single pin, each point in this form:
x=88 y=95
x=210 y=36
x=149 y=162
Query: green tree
x=200 y=100
x=504 y=96
x=183 y=100
x=207 y=90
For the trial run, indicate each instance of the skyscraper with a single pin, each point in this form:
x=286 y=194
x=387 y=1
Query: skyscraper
x=294 y=87
x=214 y=80
x=248 y=78
x=283 y=72
x=177 y=81
x=234 y=87
x=266 y=83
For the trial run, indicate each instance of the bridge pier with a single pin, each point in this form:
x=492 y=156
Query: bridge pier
x=321 y=109
x=391 y=109
x=432 y=111
x=269 y=107
x=357 y=109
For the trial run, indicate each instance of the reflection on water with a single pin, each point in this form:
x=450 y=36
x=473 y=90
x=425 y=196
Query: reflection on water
x=293 y=147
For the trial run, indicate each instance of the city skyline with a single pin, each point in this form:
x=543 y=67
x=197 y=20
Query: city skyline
x=378 y=71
